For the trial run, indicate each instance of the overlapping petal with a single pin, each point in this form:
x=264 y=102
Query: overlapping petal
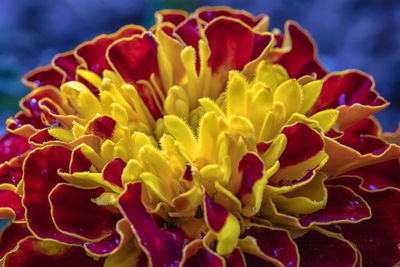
x=206 y=140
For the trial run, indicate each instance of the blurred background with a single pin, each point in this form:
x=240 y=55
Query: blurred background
x=361 y=34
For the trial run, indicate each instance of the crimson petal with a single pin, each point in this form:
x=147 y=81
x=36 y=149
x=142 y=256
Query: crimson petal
x=135 y=59
x=66 y=63
x=42 y=76
x=379 y=176
x=74 y=212
x=274 y=243
x=163 y=247
x=208 y=14
x=302 y=58
x=32 y=252
x=317 y=249
x=113 y=171
x=94 y=52
x=197 y=255
x=376 y=238
x=11 y=172
x=12 y=145
x=233 y=44
x=103 y=127
x=343 y=204
x=10 y=200
x=40 y=177
x=10 y=237
x=235 y=259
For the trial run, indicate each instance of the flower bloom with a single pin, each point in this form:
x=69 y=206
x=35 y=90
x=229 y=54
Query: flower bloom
x=205 y=141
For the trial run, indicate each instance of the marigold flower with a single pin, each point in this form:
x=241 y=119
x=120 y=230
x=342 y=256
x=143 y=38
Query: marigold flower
x=205 y=141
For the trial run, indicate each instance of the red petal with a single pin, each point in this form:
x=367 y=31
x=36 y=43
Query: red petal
x=302 y=58
x=79 y=162
x=189 y=33
x=42 y=76
x=94 y=52
x=170 y=15
x=10 y=237
x=233 y=44
x=74 y=212
x=376 y=238
x=106 y=245
x=343 y=204
x=12 y=145
x=255 y=261
x=196 y=255
x=135 y=59
x=302 y=143
x=31 y=252
x=40 y=177
x=10 y=200
x=251 y=167
x=41 y=136
x=11 y=172
x=235 y=259
x=113 y=171
x=380 y=175
x=347 y=88
x=215 y=213
x=103 y=127
x=274 y=243
x=67 y=63
x=209 y=13
x=164 y=247
x=317 y=249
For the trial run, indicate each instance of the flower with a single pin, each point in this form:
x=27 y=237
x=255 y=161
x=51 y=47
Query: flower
x=205 y=141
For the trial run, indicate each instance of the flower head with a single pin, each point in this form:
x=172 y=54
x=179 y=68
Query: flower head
x=206 y=140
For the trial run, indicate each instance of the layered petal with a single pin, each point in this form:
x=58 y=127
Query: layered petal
x=40 y=177
x=162 y=247
x=317 y=249
x=34 y=252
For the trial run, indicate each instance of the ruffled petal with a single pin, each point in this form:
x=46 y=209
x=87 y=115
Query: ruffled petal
x=196 y=255
x=174 y=16
x=10 y=237
x=33 y=252
x=235 y=259
x=74 y=212
x=225 y=226
x=379 y=176
x=269 y=244
x=162 y=247
x=233 y=45
x=113 y=171
x=136 y=59
x=304 y=152
x=46 y=75
x=342 y=205
x=66 y=63
x=317 y=249
x=302 y=57
x=93 y=52
x=352 y=92
x=11 y=173
x=12 y=145
x=40 y=177
x=11 y=206
x=102 y=127
x=377 y=238
x=210 y=13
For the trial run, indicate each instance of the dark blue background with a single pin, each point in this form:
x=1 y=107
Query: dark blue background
x=361 y=34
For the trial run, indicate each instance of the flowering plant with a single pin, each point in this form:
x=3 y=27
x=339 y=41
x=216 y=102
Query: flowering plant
x=205 y=141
